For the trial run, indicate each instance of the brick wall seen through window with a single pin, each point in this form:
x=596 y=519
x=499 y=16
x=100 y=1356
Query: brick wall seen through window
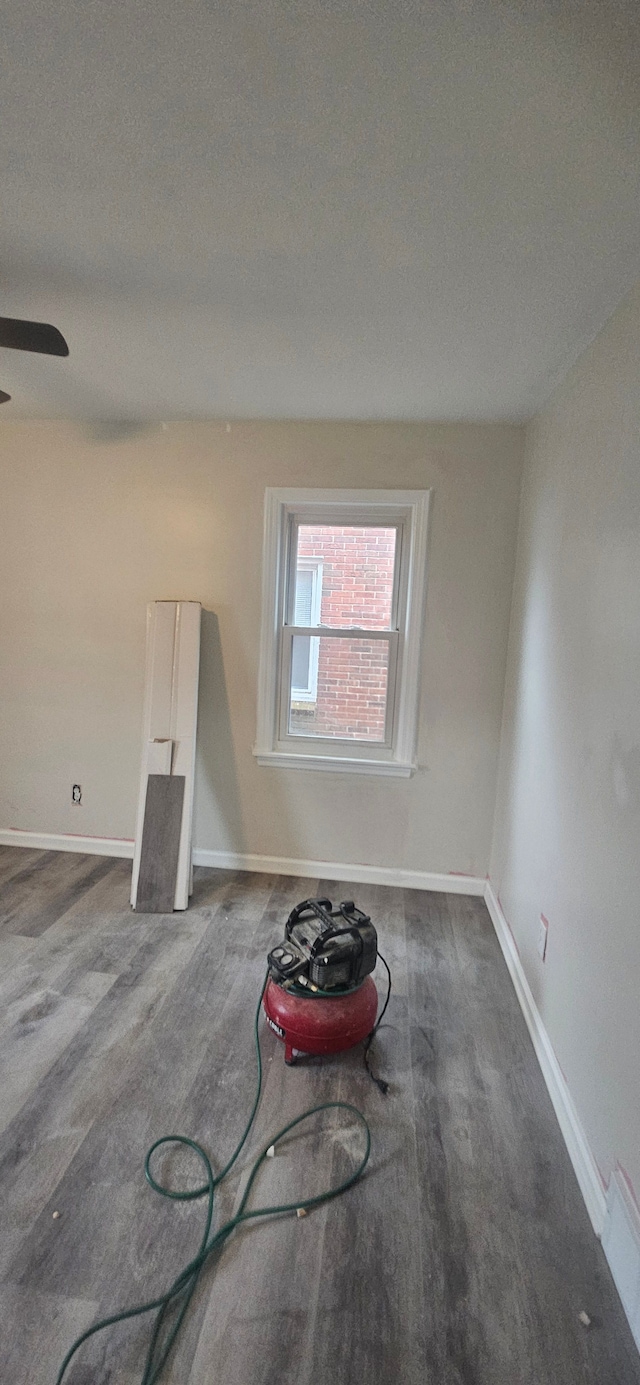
x=357 y=573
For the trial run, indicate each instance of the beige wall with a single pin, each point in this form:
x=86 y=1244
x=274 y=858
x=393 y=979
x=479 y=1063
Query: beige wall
x=93 y=528
x=567 y=838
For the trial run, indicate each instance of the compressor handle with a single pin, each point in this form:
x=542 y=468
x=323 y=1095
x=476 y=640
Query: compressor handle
x=320 y=907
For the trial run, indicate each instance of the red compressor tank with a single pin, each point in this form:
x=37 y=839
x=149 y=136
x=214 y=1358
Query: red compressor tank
x=321 y=1025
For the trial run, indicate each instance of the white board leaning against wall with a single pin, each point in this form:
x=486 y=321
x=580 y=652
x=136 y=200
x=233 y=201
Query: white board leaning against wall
x=169 y=726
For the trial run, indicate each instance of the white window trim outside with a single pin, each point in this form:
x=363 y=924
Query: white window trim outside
x=410 y=509
x=313 y=565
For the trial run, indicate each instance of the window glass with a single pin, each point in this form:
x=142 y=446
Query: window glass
x=350 y=688
x=358 y=565
x=301 y=664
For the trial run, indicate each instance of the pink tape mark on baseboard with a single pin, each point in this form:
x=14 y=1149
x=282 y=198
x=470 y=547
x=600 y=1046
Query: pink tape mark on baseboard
x=89 y=836
x=632 y=1191
x=604 y=1181
x=95 y=837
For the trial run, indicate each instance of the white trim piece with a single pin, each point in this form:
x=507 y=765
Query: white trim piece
x=341 y=870
x=184 y=721
x=285 y=759
x=169 y=720
x=68 y=841
x=272 y=544
x=410 y=510
x=159 y=755
x=415 y=602
x=621 y=1245
x=445 y=883
x=584 y=1164
x=298 y=497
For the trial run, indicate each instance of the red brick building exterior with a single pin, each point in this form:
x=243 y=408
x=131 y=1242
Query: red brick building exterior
x=356 y=568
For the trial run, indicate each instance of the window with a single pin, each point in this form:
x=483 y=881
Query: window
x=343 y=598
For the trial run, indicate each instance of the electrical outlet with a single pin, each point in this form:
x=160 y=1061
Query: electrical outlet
x=543 y=935
x=76 y=793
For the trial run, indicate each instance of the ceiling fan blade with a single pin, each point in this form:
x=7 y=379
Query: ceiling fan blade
x=4 y=398
x=32 y=336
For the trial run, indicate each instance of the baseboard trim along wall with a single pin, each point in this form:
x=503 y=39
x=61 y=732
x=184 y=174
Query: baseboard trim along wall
x=446 y=883
x=67 y=841
x=615 y=1216
x=584 y=1164
x=621 y=1245
x=341 y=870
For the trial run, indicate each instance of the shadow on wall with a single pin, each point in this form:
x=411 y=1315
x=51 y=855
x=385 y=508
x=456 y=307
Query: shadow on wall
x=216 y=794
x=219 y=822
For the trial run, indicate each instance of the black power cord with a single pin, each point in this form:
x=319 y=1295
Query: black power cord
x=379 y=1081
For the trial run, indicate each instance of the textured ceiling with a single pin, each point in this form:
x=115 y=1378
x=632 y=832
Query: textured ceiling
x=321 y=208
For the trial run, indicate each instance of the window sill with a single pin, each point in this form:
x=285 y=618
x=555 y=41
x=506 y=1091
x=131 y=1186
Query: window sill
x=282 y=759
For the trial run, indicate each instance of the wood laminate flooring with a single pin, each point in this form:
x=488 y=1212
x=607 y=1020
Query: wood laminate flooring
x=464 y=1255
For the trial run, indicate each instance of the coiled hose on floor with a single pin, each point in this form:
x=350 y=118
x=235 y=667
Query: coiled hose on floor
x=172 y=1306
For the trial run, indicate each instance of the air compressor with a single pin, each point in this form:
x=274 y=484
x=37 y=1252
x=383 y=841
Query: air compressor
x=320 y=997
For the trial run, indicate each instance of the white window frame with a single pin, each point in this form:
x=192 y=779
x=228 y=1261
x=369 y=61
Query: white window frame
x=284 y=509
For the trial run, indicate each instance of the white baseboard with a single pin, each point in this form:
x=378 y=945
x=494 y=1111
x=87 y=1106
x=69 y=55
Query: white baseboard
x=341 y=870
x=67 y=841
x=621 y=1245
x=584 y=1164
x=616 y=1216
x=269 y=865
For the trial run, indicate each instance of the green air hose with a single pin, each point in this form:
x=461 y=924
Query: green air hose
x=181 y=1291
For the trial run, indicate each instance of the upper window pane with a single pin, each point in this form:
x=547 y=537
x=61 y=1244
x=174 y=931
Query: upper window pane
x=356 y=570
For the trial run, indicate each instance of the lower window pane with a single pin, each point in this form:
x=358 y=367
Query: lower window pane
x=339 y=687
